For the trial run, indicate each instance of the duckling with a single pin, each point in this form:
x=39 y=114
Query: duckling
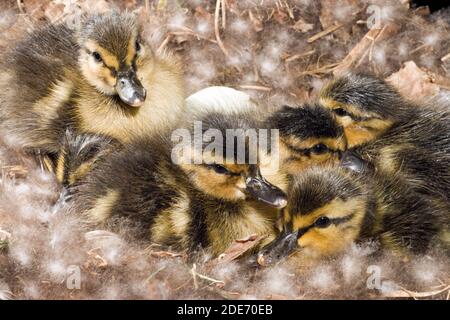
x=331 y=208
x=183 y=193
x=101 y=79
x=392 y=134
x=365 y=106
x=309 y=136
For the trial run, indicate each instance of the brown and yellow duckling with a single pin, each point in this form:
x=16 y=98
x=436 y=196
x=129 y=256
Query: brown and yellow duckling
x=394 y=135
x=174 y=201
x=331 y=208
x=365 y=106
x=101 y=79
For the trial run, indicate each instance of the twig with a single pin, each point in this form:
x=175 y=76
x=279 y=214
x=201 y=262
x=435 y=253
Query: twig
x=155 y=273
x=25 y=15
x=219 y=282
x=325 y=69
x=419 y=48
x=252 y=87
x=224 y=14
x=194 y=275
x=300 y=55
x=377 y=37
x=20 y=5
x=325 y=32
x=446 y=57
x=164 y=43
x=404 y=293
x=192 y=33
x=165 y=254
x=361 y=49
x=216 y=28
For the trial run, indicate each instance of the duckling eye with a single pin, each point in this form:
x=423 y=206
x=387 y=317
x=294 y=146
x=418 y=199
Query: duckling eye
x=319 y=148
x=138 y=46
x=97 y=56
x=219 y=169
x=322 y=222
x=340 y=112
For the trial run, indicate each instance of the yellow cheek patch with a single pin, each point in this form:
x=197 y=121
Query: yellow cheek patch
x=131 y=51
x=107 y=77
x=325 y=242
x=336 y=237
x=108 y=58
x=338 y=143
x=358 y=132
x=362 y=132
x=219 y=185
x=293 y=162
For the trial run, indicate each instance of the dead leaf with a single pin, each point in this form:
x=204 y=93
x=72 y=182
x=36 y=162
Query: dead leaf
x=237 y=249
x=251 y=237
x=165 y=254
x=411 y=81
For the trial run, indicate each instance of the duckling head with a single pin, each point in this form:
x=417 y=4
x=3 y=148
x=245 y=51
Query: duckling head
x=324 y=215
x=223 y=161
x=364 y=105
x=109 y=49
x=309 y=135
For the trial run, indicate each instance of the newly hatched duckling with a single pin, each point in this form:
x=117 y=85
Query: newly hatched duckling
x=392 y=134
x=365 y=106
x=186 y=194
x=309 y=136
x=101 y=79
x=330 y=208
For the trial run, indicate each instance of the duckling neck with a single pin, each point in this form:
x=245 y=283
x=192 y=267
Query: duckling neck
x=228 y=221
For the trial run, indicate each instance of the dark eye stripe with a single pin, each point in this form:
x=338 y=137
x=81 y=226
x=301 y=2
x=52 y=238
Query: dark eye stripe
x=343 y=219
x=360 y=118
x=305 y=151
x=228 y=172
x=335 y=221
